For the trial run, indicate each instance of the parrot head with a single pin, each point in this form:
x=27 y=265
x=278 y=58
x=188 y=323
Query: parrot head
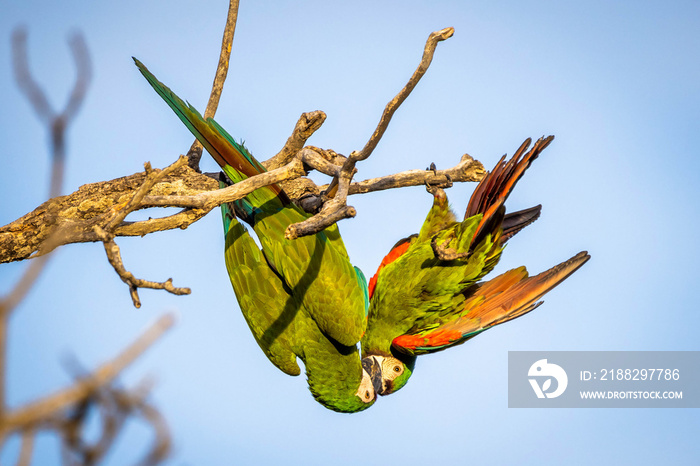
x=389 y=373
x=346 y=393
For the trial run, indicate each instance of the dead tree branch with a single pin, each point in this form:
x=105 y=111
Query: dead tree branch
x=337 y=208
x=115 y=259
x=98 y=212
x=76 y=215
x=195 y=152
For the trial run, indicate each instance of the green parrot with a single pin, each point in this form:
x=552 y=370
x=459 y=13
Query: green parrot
x=300 y=297
x=284 y=331
x=421 y=303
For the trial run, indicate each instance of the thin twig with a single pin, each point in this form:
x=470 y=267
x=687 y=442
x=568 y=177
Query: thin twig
x=115 y=259
x=25 y=452
x=338 y=205
x=195 y=152
x=393 y=105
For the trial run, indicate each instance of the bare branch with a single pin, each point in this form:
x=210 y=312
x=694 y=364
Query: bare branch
x=25 y=453
x=307 y=125
x=291 y=163
x=180 y=220
x=428 y=52
x=312 y=157
x=209 y=200
x=337 y=208
x=81 y=57
x=317 y=222
x=468 y=169
x=195 y=152
x=152 y=177
x=78 y=213
x=115 y=259
x=24 y=78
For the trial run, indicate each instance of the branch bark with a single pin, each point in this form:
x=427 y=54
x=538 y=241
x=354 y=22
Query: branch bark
x=195 y=153
x=98 y=212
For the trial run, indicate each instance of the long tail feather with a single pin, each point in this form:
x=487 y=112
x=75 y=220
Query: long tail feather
x=503 y=298
x=521 y=298
x=491 y=193
x=222 y=147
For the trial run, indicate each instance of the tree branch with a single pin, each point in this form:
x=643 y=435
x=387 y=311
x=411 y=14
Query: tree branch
x=337 y=207
x=57 y=124
x=98 y=212
x=195 y=152
x=393 y=105
x=115 y=259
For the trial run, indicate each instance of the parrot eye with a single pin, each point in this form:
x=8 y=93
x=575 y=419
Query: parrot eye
x=366 y=391
x=392 y=368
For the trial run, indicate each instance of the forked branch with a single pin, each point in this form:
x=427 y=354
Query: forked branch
x=336 y=208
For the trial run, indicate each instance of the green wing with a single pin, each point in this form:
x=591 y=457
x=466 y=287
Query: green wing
x=266 y=304
x=416 y=284
x=494 y=302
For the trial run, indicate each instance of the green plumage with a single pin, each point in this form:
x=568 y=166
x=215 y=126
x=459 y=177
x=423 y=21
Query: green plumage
x=301 y=298
x=418 y=288
x=421 y=303
x=284 y=329
x=316 y=268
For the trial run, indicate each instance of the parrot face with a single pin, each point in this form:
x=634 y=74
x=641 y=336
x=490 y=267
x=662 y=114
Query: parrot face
x=369 y=387
x=388 y=373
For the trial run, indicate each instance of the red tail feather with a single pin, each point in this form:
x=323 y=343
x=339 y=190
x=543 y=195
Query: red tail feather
x=492 y=192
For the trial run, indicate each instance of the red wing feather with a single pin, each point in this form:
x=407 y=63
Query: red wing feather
x=397 y=251
x=506 y=297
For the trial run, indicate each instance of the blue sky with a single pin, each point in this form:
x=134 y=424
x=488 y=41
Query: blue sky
x=617 y=83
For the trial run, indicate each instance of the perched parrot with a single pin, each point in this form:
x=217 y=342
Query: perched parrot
x=420 y=303
x=284 y=331
x=300 y=297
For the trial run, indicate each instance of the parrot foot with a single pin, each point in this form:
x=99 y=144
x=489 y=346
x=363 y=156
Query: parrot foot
x=311 y=203
x=433 y=189
x=443 y=251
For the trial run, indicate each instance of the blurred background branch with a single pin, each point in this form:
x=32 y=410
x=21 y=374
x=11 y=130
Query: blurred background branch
x=65 y=412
